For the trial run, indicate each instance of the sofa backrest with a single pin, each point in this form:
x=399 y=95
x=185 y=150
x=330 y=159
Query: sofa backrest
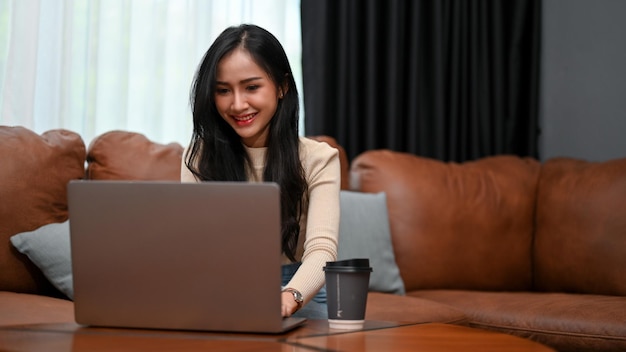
x=456 y=226
x=34 y=172
x=580 y=243
x=124 y=155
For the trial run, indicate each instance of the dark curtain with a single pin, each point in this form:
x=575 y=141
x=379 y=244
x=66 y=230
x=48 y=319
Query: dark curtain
x=453 y=80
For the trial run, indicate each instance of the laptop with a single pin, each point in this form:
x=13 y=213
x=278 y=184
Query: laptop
x=180 y=256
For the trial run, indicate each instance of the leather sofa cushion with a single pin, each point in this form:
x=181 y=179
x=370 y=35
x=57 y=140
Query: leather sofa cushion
x=20 y=308
x=457 y=226
x=566 y=322
x=34 y=173
x=581 y=227
x=122 y=155
x=392 y=307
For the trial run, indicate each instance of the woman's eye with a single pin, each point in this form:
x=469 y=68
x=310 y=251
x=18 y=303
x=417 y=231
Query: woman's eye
x=221 y=91
x=252 y=87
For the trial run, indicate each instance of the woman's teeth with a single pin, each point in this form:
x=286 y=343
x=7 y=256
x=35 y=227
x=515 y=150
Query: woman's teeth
x=245 y=117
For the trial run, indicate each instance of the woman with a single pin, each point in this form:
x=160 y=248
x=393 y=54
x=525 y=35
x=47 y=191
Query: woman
x=245 y=114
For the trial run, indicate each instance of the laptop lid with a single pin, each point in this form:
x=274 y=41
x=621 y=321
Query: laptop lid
x=169 y=255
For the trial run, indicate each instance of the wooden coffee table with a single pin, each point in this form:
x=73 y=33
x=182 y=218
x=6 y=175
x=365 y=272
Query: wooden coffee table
x=421 y=337
x=314 y=336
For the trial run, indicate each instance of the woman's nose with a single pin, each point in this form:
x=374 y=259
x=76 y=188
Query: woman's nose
x=240 y=102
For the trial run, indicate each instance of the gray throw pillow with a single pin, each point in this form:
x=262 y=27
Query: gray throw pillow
x=48 y=247
x=364 y=233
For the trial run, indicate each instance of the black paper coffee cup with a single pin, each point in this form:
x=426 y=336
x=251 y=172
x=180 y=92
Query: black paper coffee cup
x=347 y=285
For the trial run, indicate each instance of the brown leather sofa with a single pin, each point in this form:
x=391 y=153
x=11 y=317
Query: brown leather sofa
x=493 y=244
x=531 y=249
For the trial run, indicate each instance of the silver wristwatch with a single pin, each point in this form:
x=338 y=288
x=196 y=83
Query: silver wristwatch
x=297 y=296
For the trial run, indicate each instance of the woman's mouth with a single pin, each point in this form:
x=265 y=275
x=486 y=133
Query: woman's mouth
x=244 y=119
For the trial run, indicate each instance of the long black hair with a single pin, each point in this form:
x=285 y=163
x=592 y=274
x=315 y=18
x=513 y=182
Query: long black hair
x=216 y=152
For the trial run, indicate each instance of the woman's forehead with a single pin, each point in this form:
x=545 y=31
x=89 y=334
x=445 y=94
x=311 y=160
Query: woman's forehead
x=238 y=66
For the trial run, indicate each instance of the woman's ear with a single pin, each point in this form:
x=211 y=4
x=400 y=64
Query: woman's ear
x=282 y=92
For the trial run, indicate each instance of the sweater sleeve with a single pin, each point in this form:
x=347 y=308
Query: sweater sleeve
x=322 y=168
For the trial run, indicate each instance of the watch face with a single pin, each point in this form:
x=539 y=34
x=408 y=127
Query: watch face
x=297 y=296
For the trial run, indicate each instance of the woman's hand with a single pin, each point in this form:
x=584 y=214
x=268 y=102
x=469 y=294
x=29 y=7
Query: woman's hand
x=289 y=305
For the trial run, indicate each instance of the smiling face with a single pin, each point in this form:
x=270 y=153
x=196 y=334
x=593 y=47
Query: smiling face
x=245 y=97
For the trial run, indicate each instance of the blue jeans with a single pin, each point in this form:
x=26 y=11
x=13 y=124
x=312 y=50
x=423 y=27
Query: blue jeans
x=316 y=308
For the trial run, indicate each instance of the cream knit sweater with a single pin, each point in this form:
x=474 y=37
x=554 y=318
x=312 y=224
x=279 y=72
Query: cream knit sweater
x=320 y=222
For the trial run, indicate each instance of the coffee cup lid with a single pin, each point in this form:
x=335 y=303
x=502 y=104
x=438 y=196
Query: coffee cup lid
x=355 y=264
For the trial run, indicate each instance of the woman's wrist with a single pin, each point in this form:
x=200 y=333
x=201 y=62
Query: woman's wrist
x=297 y=296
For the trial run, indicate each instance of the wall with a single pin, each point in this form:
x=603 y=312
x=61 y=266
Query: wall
x=583 y=79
